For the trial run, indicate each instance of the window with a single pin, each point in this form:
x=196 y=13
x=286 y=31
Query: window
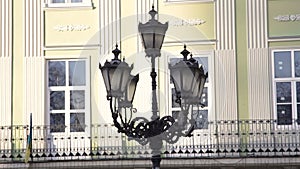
x=68 y=3
x=68 y=95
x=199 y=114
x=286 y=86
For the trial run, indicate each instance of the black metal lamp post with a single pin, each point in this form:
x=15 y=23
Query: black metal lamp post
x=189 y=80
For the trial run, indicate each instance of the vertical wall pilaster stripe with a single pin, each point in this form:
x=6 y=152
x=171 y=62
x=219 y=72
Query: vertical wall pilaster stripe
x=109 y=16
x=225 y=61
x=256 y=12
x=265 y=23
x=258 y=60
x=5 y=62
x=226 y=99
x=225 y=21
x=33 y=62
x=259 y=84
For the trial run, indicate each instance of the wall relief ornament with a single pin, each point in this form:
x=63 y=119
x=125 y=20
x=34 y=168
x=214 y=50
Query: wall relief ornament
x=186 y=22
x=71 y=27
x=288 y=18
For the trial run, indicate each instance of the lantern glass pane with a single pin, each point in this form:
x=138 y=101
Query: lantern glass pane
x=125 y=78
x=176 y=77
x=159 y=38
x=115 y=77
x=131 y=88
x=106 y=79
x=196 y=82
x=147 y=40
x=196 y=87
x=187 y=80
x=203 y=79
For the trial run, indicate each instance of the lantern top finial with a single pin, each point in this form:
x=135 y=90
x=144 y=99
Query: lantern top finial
x=185 y=53
x=116 y=52
x=152 y=13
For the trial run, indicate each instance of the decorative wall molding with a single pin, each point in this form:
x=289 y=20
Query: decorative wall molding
x=186 y=22
x=71 y=27
x=73 y=47
x=190 y=42
x=284 y=38
x=187 y=1
x=287 y=18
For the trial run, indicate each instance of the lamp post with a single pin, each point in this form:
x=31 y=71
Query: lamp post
x=187 y=75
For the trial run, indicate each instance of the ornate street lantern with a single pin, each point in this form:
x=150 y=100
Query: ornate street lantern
x=116 y=75
x=187 y=75
x=188 y=78
x=152 y=34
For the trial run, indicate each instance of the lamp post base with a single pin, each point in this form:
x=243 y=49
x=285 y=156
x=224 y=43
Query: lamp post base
x=156 y=161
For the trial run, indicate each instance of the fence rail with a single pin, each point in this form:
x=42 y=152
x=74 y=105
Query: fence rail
x=221 y=139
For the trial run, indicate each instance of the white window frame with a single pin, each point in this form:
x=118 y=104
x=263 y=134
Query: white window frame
x=292 y=80
x=68 y=4
x=67 y=89
x=209 y=85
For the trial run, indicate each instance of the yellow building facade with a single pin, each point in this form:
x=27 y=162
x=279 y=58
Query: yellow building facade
x=50 y=51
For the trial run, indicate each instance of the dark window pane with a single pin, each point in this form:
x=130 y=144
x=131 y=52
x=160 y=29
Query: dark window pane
x=283 y=92
x=282 y=64
x=57 y=122
x=77 y=122
x=57 y=100
x=284 y=114
x=297 y=64
x=298 y=113
x=298 y=91
x=203 y=61
x=77 y=99
x=76 y=1
x=201 y=119
x=77 y=73
x=58 y=1
x=56 y=73
x=174 y=103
